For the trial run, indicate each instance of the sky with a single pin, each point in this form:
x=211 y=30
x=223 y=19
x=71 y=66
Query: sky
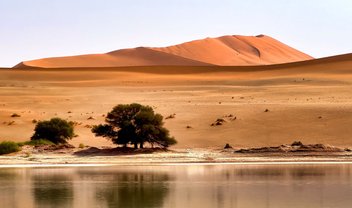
x=32 y=29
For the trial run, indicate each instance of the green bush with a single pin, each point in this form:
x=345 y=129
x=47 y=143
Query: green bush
x=7 y=147
x=55 y=130
x=37 y=142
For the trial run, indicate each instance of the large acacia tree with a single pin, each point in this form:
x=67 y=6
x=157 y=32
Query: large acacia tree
x=134 y=124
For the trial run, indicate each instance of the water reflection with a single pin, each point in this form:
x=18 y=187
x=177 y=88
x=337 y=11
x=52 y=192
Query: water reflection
x=129 y=189
x=179 y=186
x=52 y=190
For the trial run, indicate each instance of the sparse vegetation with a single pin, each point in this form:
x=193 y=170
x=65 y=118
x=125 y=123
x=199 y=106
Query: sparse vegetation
x=228 y=146
x=55 y=130
x=171 y=116
x=218 y=122
x=37 y=142
x=134 y=124
x=15 y=115
x=297 y=143
x=81 y=146
x=10 y=123
x=8 y=147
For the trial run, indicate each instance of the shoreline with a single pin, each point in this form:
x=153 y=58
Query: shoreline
x=179 y=157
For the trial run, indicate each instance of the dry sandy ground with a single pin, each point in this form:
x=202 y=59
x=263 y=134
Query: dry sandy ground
x=309 y=101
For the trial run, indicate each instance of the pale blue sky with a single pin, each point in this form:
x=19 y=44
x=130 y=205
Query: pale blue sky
x=32 y=29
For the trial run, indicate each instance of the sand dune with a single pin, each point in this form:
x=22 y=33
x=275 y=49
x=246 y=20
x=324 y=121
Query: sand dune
x=223 y=51
x=126 y=57
x=237 y=50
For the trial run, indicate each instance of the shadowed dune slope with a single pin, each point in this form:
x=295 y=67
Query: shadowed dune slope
x=126 y=57
x=223 y=51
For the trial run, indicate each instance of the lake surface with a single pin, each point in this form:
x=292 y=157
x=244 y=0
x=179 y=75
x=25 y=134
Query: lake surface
x=181 y=186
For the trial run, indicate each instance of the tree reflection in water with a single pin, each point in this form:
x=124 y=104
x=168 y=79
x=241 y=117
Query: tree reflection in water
x=52 y=190
x=131 y=189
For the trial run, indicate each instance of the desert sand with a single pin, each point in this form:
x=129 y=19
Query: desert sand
x=310 y=101
x=224 y=51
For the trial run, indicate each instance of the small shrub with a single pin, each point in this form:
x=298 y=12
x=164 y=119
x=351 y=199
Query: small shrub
x=81 y=146
x=228 y=146
x=297 y=143
x=7 y=147
x=171 y=116
x=11 y=123
x=34 y=121
x=15 y=115
x=218 y=122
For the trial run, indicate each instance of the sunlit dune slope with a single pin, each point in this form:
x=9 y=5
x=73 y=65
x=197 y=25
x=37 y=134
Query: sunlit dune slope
x=223 y=51
x=237 y=50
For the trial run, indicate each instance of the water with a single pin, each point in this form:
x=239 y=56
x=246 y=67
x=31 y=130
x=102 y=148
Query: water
x=181 y=186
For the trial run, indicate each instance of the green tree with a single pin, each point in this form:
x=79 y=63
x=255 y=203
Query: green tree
x=55 y=130
x=134 y=124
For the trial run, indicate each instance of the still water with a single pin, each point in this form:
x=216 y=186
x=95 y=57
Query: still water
x=181 y=186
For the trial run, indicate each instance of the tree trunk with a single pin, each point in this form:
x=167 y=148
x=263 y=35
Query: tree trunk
x=136 y=145
x=141 y=145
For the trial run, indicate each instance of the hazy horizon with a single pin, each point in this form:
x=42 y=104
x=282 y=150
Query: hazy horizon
x=40 y=28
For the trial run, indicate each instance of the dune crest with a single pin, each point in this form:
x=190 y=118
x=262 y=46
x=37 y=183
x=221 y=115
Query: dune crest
x=223 y=51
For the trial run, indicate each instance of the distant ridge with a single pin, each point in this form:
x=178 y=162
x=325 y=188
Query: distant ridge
x=233 y=50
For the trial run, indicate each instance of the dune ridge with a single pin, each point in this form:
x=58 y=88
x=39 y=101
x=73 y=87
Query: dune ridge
x=222 y=51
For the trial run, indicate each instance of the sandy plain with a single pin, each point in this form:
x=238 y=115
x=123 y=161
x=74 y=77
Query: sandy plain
x=310 y=101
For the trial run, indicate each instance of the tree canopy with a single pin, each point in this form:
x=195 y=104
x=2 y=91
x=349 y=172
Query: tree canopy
x=55 y=130
x=134 y=124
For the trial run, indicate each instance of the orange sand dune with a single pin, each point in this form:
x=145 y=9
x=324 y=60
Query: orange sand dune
x=126 y=57
x=223 y=51
x=237 y=50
